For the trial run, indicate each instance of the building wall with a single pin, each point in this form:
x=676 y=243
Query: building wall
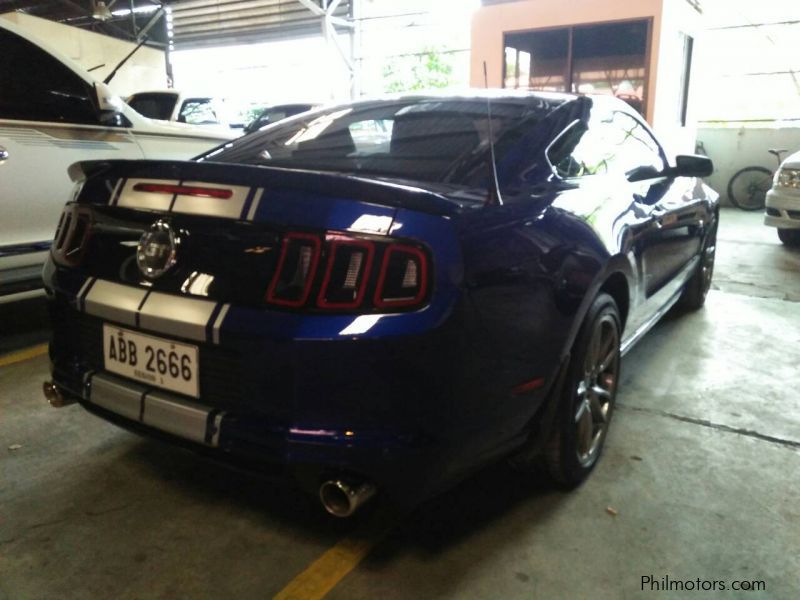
x=492 y=21
x=732 y=148
x=670 y=18
x=145 y=70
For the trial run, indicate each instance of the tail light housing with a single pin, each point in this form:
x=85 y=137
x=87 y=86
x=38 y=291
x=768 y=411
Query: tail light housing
x=344 y=273
x=72 y=235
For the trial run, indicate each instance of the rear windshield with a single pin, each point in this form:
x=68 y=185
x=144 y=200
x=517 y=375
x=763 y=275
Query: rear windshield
x=154 y=106
x=435 y=140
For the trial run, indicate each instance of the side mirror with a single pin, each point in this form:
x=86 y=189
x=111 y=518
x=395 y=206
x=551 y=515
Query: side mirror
x=106 y=99
x=109 y=107
x=643 y=173
x=692 y=165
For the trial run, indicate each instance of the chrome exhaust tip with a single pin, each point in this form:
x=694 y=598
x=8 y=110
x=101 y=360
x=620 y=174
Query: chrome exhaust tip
x=54 y=395
x=342 y=499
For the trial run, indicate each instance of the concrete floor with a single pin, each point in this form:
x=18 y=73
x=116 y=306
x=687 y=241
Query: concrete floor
x=702 y=467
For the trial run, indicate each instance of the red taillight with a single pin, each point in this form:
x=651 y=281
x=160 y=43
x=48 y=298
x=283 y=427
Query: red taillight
x=403 y=280
x=183 y=190
x=72 y=235
x=346 y=273
x=349 y=280
x=295 y=272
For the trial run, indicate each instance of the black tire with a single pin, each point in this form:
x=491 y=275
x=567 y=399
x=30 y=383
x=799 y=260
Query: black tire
x=790 y=237
x=588 y=396
x=748 y=188
x=696 y=290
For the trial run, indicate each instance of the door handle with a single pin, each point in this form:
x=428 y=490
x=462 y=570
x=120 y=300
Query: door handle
x=3 y=154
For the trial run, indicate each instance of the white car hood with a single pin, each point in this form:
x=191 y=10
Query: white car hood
x=792 y=161
x=145 y=125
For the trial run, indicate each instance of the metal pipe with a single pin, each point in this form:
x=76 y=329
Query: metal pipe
x=342 y=499
x=54 y=395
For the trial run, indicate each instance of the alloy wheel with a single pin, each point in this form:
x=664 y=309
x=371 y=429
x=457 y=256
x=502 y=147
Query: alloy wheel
x=596 y=389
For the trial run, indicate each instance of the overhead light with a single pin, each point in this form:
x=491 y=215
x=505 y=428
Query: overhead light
x=100 y=11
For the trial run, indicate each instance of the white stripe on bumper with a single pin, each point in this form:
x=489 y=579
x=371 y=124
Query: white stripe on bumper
x=114 y=301
x=174 y=315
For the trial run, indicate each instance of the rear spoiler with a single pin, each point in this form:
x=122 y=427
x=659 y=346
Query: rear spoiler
x=325 y=183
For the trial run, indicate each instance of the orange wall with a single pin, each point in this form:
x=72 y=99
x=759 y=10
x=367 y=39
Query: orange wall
x=490 y=22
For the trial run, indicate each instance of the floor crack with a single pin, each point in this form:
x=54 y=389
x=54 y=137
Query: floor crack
x=795 y=445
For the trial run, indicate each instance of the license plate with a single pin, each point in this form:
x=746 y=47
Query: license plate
x=152 y=360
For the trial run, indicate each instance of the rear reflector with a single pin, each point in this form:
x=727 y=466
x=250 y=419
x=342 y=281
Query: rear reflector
x=528 y=386
x=72 y=235
x=403 y=280
x=347 y=279
x=183 y=190
x=347 y=272
x=295 y=272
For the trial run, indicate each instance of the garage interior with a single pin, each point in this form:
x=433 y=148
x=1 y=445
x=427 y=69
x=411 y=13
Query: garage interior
x=700 y=474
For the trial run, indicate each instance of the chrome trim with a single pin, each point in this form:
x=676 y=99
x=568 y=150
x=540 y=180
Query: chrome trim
x=121 y=397
x=114 y=301
x=173 y=415
x=218 y=323
x=254 y=206
x=180 y=317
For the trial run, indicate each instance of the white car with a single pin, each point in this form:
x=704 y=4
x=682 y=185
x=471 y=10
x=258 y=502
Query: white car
x=52 y=114
x=783 y=201
x=180 y=107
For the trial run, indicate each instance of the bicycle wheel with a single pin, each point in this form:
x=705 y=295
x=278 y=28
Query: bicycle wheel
x=748 y=188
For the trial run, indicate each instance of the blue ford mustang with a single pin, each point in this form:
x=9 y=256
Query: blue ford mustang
x=383 y=295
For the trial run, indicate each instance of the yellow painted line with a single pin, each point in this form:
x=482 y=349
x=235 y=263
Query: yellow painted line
x=329 y=569
x=23 y=355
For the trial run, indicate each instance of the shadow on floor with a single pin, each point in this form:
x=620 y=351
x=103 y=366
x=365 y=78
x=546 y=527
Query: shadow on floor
x=23 y=324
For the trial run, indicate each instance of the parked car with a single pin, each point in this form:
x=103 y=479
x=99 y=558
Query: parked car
x=381 y=317
x=52 y=114
x=273 y=114
x=180 y=107
x=783 y=201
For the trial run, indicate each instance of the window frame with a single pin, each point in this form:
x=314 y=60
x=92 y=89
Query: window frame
x=85 y=86
x=570 y=29
x=610 y=110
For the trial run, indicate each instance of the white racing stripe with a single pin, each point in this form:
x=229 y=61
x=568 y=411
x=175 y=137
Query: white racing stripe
x=218 y=323
x=230 y=208
x=212 y=207
x=176 y=316
x=254 y=206
x=129 y=198
x=114 y=301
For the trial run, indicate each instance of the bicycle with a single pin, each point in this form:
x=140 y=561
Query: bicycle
x=748 y=187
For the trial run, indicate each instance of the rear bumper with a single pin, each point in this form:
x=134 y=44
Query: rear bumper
x=404 y=412
x=783 y=209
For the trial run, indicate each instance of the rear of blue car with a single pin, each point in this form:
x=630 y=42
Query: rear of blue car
x=313 y=318
x=288 y=318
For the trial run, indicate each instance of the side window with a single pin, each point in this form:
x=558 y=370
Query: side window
x=635 y=146
x=198 y=111
x=373 y=136
x=615 y=142
x=37 y=87
x=579 y=151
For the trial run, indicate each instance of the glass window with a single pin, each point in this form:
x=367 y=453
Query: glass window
x=198 y=111
x=373 y=136
x=538 y=60
x=34 y=86
x=615 y=142
x=423 y=139
x=607 y=58
x=154 y=105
